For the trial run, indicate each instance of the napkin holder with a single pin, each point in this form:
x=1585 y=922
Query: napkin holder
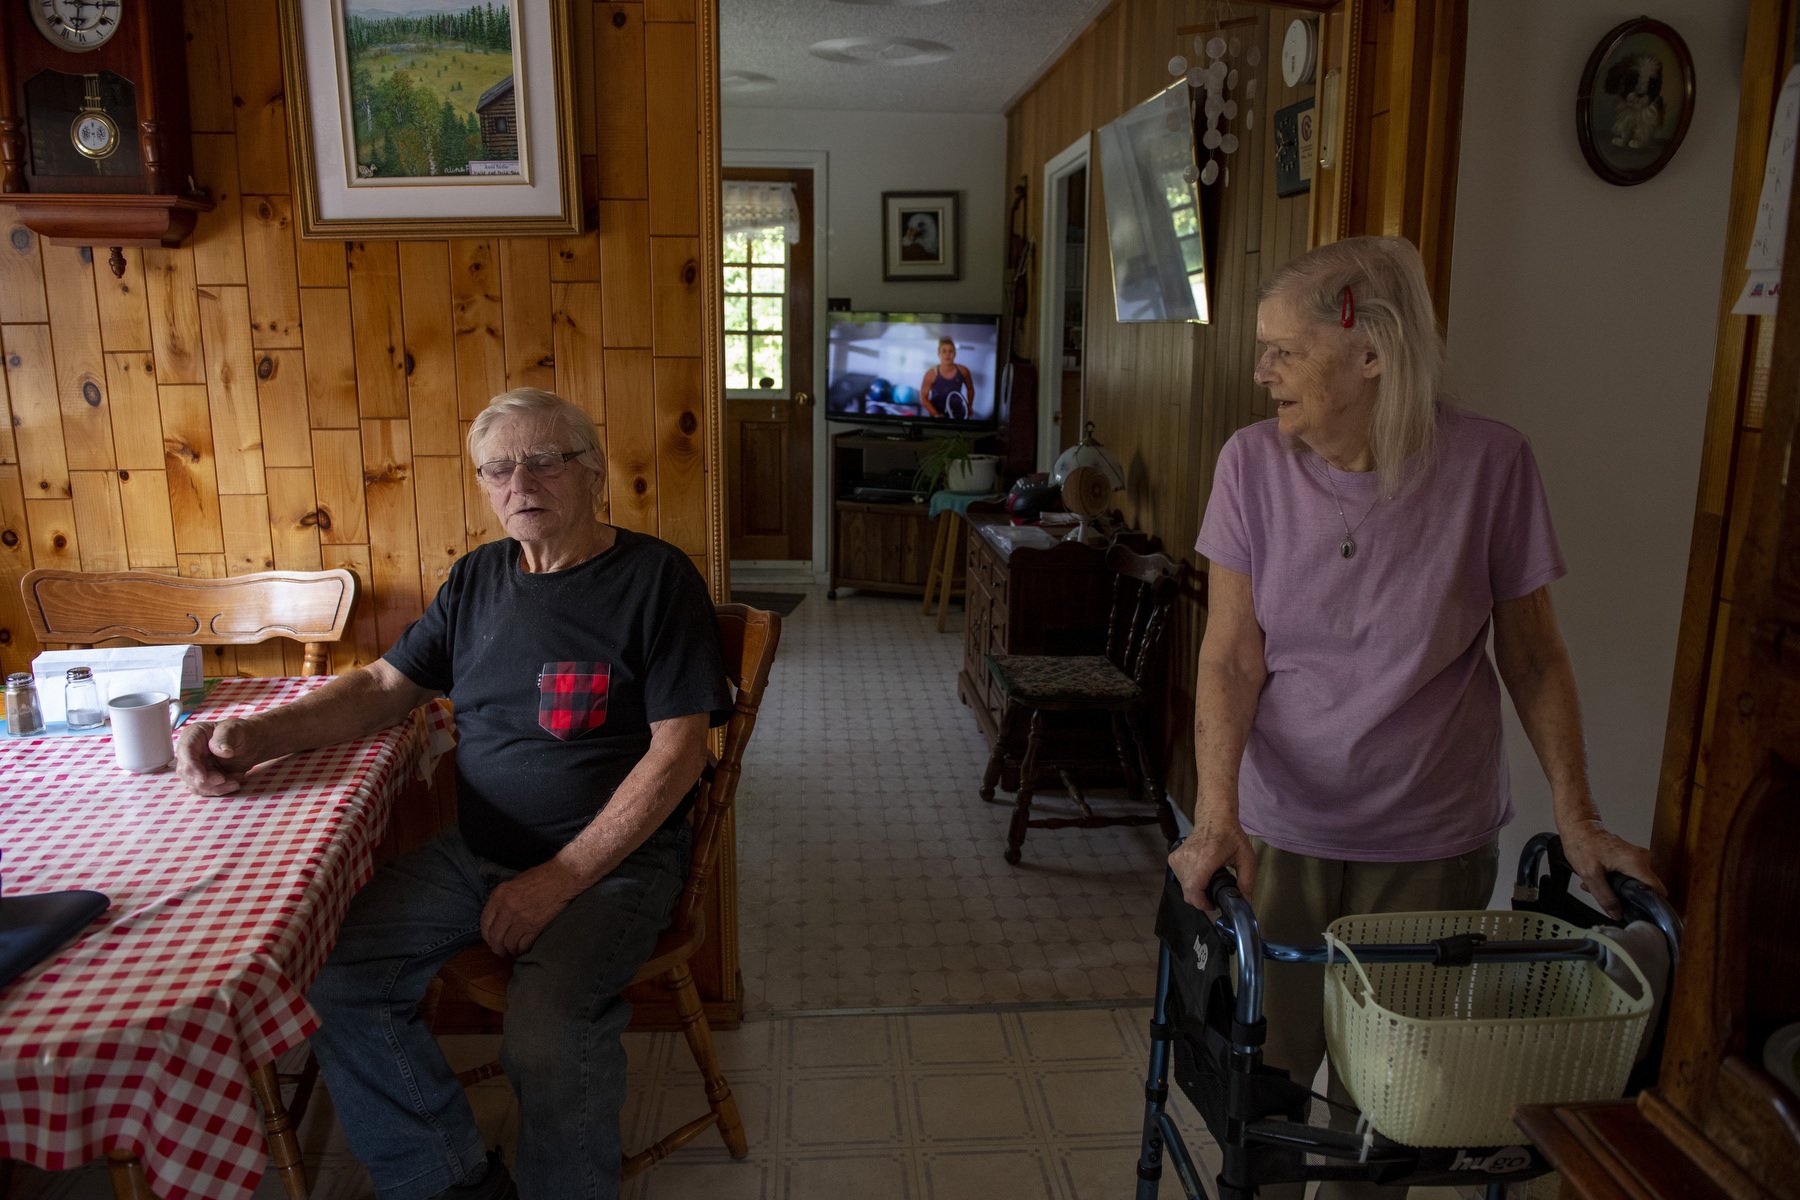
x=119 y=670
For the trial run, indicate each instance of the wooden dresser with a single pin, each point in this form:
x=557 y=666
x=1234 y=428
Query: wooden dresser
x=1029 y=592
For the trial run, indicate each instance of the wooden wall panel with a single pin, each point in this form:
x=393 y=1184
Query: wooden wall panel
x=80 y=371
x=430 y=346
x=231 y=389
x=380 y=337
x=193 y=480
x=149 y=521
x=621 y=124
x=21 y=273
x=251 y=398
x=475 y=324
x=15 y=560
x=174 y=309
x=136 y=412
x=268 y=224
x=36 y=417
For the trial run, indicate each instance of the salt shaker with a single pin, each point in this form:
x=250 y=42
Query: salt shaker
x=83 y=696
x=24 y=716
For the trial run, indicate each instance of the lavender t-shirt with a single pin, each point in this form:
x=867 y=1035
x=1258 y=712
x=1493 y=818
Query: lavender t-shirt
x=1377 y=736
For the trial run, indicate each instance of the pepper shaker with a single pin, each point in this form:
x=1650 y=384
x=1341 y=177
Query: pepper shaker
x=83 y=696
x=24 y=716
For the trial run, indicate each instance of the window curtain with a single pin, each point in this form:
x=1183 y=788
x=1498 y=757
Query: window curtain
x=750 y=206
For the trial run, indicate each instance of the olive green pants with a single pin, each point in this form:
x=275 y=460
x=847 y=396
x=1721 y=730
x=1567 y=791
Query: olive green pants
x=1296 y=897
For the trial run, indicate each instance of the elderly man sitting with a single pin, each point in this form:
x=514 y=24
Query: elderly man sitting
x=585 y=667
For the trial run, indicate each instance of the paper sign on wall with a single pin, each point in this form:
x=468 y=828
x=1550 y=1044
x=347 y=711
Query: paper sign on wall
x=1763 y=289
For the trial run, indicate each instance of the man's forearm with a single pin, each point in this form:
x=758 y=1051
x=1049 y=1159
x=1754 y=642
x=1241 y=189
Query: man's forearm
x=351 y=706
x=640 y=804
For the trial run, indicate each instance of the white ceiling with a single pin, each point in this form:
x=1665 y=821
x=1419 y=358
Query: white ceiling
x=965 y=56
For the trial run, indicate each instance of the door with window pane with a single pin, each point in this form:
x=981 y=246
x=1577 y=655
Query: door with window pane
x=768 y=383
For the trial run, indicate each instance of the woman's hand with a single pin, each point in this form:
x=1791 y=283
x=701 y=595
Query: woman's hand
x=1593 y=850
x=212 y=757
x=1216 y=842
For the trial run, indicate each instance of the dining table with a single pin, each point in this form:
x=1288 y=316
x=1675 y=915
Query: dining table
x=150 y=1038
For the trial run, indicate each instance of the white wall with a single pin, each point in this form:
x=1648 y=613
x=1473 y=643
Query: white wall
x=865 y=154
x=875 y=152
x=1583 y=313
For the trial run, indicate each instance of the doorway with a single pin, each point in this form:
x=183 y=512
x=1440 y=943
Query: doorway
x=769 y=411
x=1063 y=302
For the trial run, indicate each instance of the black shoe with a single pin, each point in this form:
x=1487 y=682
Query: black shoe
x=494 y=1184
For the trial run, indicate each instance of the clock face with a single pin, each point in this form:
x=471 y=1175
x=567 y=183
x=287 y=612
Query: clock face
x=94 y=134
x=76 y=24
x=1298 y=50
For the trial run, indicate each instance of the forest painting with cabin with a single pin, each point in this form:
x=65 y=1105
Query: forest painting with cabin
x=419 y=71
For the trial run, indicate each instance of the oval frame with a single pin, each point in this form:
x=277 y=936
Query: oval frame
x=1625 y=166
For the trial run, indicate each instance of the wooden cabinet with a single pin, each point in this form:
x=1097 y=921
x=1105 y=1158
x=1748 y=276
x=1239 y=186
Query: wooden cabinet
x=880 y=528
x=1028 y=592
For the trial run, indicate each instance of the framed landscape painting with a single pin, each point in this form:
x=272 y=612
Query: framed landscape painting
x=431 y=118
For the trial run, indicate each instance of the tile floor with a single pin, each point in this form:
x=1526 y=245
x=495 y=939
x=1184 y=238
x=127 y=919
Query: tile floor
x=923 y=1021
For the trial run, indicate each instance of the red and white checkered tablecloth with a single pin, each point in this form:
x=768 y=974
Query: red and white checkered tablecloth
x=141 y=1034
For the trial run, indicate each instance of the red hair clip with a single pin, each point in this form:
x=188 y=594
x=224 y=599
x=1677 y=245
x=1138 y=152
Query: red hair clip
x=1347 y=308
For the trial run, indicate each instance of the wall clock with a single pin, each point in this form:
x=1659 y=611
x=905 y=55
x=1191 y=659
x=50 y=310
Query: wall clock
x=94 y=122
x=1294 y=148
x=1299 y=52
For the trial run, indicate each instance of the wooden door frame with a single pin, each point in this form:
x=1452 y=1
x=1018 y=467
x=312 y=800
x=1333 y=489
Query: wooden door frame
x=818 y=162
x=1052 y=264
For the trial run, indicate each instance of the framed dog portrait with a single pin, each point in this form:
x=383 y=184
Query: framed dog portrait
x=1634 y=101
x=920 y=235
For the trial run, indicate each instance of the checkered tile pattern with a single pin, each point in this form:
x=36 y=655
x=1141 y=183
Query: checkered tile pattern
x=139 y=1035
x=572 y=697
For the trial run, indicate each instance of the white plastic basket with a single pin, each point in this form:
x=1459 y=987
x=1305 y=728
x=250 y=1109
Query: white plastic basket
x=1438 y=1056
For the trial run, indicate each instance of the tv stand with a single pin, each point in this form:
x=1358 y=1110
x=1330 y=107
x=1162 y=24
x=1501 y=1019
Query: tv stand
x=878 y=544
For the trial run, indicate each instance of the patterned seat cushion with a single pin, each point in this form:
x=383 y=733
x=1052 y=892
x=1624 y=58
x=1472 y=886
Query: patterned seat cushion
x=1061 y=679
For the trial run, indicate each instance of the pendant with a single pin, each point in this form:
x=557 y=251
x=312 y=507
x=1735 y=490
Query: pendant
x=1348 y=549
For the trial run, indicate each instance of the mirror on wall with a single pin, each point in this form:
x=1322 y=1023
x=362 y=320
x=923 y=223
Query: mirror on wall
x=1149 y=179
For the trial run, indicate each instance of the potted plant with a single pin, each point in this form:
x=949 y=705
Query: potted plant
x=949 y=461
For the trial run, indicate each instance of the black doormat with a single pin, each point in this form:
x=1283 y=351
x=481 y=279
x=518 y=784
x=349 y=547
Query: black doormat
x=780 y=602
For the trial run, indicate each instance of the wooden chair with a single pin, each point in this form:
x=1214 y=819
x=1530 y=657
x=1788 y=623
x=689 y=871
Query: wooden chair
x=750 y=636
x=1034 y=685
x=81 y=609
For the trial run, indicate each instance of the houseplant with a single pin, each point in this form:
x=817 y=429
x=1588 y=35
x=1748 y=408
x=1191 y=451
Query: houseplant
x=950 y=461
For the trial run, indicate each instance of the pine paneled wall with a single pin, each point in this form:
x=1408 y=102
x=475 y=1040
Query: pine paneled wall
x=255 y=401
x=1164 y=396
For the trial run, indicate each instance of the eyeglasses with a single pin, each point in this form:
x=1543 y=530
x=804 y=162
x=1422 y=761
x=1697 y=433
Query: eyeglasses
x=541 y=466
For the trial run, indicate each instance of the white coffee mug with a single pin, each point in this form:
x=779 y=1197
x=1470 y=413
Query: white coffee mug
x=141 y=728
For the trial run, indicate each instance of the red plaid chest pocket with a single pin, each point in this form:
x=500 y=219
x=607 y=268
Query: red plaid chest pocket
x=572 y=697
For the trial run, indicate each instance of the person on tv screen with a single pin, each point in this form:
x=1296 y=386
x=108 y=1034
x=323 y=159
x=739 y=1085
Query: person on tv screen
x=948 y=389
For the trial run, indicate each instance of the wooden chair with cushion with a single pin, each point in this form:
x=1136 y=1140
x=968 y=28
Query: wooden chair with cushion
x=750 y=636
x=1037 y=685
x=82 y=609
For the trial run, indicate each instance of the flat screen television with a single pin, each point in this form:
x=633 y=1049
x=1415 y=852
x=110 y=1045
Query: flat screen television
x=889 y=368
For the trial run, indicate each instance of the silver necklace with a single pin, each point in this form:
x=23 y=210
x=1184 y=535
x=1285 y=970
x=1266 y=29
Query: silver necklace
x=1346 y=548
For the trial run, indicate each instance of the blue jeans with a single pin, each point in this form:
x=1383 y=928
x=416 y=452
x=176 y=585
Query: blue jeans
x=403 y=1112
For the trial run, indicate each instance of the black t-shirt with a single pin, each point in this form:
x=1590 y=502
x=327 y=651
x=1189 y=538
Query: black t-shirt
x=556 y=678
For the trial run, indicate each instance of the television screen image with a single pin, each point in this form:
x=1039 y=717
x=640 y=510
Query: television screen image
x=922 y=368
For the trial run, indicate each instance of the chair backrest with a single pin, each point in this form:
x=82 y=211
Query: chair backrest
x=1144 y=591
x=82 y=609
x=750 y=636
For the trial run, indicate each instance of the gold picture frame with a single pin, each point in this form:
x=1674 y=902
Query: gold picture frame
x=514 y=169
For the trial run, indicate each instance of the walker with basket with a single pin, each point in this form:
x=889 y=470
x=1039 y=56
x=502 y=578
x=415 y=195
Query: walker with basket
x=1438 y=1024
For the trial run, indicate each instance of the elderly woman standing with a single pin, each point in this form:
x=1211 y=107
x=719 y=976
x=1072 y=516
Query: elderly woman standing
x=1347 y=727
x=585 y=667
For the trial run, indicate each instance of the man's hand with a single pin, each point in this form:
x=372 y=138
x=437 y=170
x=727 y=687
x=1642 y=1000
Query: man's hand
x=1593 y=851
x=520 y=908
x=212 y=757
x=1215 y=842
